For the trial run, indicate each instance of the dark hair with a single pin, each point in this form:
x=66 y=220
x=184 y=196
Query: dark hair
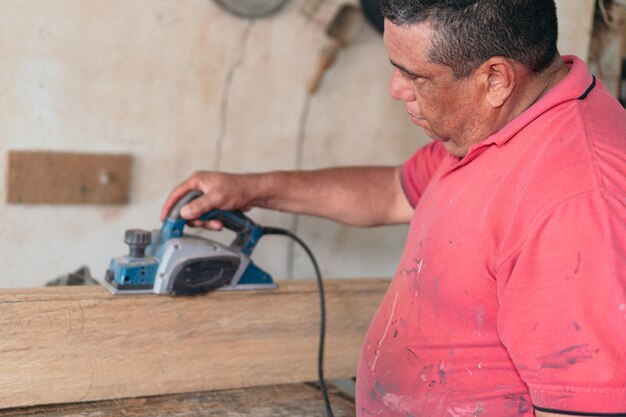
x=466 y=33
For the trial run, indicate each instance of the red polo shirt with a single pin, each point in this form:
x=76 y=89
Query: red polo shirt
x=511 y=291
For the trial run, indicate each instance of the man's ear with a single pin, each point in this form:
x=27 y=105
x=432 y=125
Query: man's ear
x=500 y=77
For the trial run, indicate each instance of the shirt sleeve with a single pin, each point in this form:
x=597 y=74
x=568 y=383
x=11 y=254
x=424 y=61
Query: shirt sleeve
x=563 y=306
x=416 y=173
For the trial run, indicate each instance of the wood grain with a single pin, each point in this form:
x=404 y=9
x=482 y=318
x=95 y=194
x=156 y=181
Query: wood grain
x=67 y=178
x=293 y=400
x=63 y=345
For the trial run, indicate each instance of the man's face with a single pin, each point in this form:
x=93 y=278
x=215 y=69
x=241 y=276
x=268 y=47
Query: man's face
x=448 y=109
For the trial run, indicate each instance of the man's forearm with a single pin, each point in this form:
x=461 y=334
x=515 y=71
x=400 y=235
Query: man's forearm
x=360 y=196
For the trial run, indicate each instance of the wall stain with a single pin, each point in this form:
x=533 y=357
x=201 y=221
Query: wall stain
x=217 y=159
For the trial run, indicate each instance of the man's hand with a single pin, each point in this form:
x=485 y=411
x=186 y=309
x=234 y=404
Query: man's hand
x=358 y=196
x=221 y=191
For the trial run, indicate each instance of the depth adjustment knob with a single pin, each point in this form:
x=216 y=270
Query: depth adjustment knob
x=137 y=240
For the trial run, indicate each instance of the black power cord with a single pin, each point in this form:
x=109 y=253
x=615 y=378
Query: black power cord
x=320 y=286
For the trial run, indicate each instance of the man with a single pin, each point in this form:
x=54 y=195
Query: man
x=510 y=297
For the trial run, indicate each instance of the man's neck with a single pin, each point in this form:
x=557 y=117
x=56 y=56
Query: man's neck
x=534 y=86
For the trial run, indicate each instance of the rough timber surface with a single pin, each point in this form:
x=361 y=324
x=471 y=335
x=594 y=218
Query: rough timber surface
x=293 y=400
x=74 y=344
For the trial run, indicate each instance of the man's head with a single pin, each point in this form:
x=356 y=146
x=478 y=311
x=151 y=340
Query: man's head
x=465 y=68
x=468 y=32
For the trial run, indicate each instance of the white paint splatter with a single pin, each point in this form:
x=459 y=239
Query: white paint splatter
x=380 y=342
x=480 y=317
x=480 y=365
x=396 y=402
x=469 y=370
x=466 y=411
x=419 y=266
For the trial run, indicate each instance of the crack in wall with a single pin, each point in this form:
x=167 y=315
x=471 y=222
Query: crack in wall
x=219 y=146
x=295 y=220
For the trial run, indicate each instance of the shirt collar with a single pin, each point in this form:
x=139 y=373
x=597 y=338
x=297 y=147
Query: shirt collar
x=576 y=85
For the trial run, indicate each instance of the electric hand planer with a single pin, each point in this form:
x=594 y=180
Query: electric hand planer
x=170 y=262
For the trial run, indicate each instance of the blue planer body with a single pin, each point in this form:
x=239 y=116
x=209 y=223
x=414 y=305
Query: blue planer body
x=170 y=262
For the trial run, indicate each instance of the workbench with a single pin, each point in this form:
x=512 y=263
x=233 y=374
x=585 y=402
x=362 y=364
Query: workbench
x=288 y=400
x=234 y=354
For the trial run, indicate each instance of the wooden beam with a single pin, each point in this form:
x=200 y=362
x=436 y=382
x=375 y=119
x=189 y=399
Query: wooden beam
x=293 y=400
x=70 y=344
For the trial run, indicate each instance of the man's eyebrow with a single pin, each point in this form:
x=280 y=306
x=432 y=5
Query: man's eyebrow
x=403 y=69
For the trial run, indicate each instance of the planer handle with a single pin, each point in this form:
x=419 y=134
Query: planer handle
x=248 y=232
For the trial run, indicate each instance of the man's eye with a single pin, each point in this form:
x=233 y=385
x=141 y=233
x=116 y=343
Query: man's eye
x=416 y=79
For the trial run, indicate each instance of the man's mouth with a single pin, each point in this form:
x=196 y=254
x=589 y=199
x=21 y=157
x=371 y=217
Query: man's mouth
x=423 y=123
x=419 y=121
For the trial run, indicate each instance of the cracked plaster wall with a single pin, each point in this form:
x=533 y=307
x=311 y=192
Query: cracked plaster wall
x=183 y=86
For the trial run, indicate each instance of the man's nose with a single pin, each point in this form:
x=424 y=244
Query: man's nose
x=400 y=87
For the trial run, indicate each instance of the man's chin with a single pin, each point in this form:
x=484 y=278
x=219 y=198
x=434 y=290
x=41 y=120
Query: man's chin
x=450 y=145
x=433 y=136
x=453 y=148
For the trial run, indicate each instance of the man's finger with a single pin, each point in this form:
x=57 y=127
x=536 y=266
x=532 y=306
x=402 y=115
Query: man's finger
x=174 y=196
x=196 y=208
x=215 y=225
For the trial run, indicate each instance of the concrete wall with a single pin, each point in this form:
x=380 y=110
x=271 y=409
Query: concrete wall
x=183 y=85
